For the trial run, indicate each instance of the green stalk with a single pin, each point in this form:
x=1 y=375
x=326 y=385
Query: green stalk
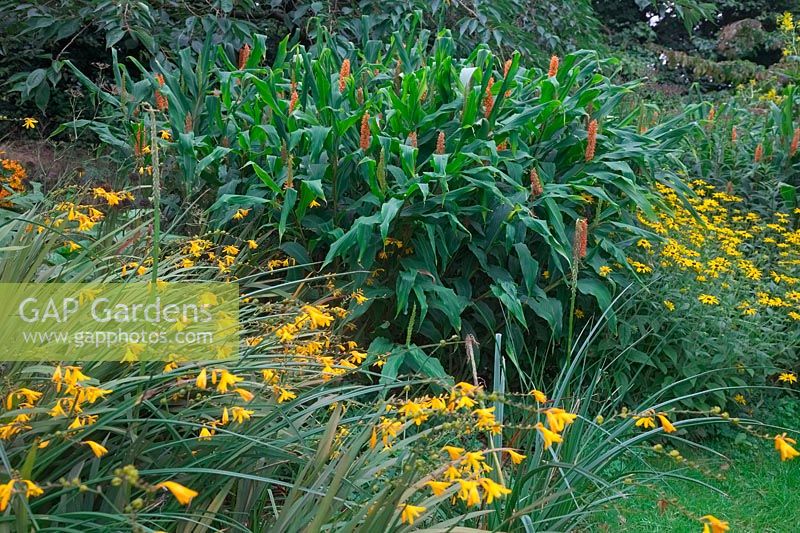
x=334 y=179
x=411 y=321
x=156 y=195
x=499 y=390
x=573 y=296
x=133 y=430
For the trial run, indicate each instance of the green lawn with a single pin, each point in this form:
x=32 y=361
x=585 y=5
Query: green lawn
x=761 y=495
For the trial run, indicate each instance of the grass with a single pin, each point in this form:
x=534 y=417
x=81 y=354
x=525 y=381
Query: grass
x=761 y=494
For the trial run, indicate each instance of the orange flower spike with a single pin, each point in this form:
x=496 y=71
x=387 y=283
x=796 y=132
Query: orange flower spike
x=440 y=147
x=795 y=142
x=581 y=237
x=536 y=184
x=591 y=140
x=488 y=99
x=244 y=55
x=553 y=67
x=506 y=68
x=344 y=73
x=759 y=153
x=162 y=104
x=365 y=133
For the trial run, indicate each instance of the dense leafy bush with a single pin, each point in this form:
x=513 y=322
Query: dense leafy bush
x=750 y=141
x=724 y=255
x=444 y=180
x=728 y=267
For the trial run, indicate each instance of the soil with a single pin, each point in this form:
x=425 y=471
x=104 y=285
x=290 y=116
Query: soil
x=50 y=162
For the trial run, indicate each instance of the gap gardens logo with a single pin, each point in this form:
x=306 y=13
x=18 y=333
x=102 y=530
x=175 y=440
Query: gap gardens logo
x=118 y=321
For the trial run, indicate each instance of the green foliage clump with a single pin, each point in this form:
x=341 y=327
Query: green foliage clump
x=450 y=187
x=726 y=258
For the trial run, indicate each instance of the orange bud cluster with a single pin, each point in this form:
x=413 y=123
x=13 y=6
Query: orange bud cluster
x=244 y=55
x=365 y=133
x=502 y=146
x=759 y=153
x=553 y=67
x=734 y=134
x=591 y=140
x=293 y=101
x=488 y=100
x=581 y=236
x=795 y=142
x=162 y=104
x=344 y=73
x=711 y=114
x=536 y=184
x=412 y=139
x=440 y=143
